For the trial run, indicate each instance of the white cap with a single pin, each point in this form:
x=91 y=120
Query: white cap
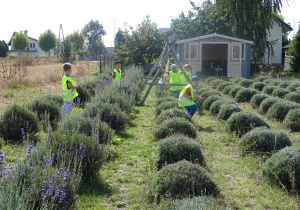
x=173 y=66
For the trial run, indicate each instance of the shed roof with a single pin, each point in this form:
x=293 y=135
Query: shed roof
x=286 y=27
x=214 y=35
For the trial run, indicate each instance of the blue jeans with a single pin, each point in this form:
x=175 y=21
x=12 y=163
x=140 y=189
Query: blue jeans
x=176 y=92
x=192 y=109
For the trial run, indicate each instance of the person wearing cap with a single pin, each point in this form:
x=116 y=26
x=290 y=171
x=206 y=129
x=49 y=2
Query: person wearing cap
x=188 y=70
x=117 y=74
x=174 y=78
x=188 y=96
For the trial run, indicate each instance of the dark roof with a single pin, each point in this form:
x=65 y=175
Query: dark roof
x=288 y=46
x=9 y=43
x=284 y=24
x=168 y=31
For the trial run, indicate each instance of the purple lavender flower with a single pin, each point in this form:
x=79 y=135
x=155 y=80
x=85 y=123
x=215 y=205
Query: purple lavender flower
x=50 y=140
x=13 y=178
x=92 y=112
x=52 y=179
x=27 y=125
x=60 y=171
x=22 y=131
x=1 y=157
x=62 y=197
x=66 y=174
x=81 y=145
x=44 y=171
x=43 y=185
x=29 y=149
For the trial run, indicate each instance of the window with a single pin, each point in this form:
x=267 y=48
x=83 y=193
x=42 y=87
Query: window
x=235 y=52
x=186 y=51
x=33 y=45
x=30 y=45
x=194 y=52
x=243 y=51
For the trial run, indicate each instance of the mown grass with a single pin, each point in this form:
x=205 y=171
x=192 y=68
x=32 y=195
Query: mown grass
x=124 y=178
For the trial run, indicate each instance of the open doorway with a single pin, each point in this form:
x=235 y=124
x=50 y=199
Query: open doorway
x=214 y=59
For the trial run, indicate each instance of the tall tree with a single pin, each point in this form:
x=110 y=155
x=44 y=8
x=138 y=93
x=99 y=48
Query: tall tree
x=20 y=41
x=93 y=32
x=47 y=41
x=66 y=51
x=295 y=51
x=3 y=48
x=77 y=40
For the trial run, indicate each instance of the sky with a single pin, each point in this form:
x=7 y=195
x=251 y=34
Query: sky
x=36 y=16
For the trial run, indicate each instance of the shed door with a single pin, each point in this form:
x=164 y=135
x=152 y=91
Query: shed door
x=235 y=60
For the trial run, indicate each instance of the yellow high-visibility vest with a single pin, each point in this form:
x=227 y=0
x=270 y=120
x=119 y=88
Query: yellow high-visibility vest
x=175 y=78
x=68 y=94
x=183 y=101
x=183 y=79
x=118 y=75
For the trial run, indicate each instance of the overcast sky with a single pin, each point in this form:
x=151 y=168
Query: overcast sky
x=37 y=16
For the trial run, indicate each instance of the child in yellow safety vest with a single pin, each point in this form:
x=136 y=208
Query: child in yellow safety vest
x=188 y=70
x=69 y=90
x=117 y=74
x=174 y=78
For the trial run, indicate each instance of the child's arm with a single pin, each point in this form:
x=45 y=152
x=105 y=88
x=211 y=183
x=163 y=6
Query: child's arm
x=72 y=86
x=195 y=94
x=123 y=73
x=113 y=76
x=162 y=69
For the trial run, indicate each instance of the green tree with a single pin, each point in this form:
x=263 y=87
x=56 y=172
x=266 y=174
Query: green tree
x=93 y=32
x=20 y=41
x=3 y=48
x=119 y=39
x=66 y=51
x=142 y=46
x=295 y=51
x=77 y=40
x=47 y=41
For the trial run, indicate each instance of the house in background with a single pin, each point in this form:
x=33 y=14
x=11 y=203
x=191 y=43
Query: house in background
x=216 y=55
x=33 y=48
x=276 y=35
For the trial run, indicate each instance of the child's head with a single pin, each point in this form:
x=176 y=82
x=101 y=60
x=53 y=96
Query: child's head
x=173 y=67
x=67 y=68
x=118 y=64
x=187 y=67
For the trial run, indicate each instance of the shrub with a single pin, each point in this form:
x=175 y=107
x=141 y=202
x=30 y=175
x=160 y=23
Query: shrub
x=174 y=126
x=174 y=112
x=201 y=90
x=284 y=84
x=266 y=104
x=264 y=140
x=166 y=98
x=294 y=86
x=242 y=122
x=42 y=106
x=268 y=81
x=214 y=84
x=182 y=179
x=275 y=83
x=94 y=154
x=16 y=118
x=221 y=86
x=280 y=109
x=280 y=92
x=257 y=99
x=259 y=85
x=57 y=99
x=206 y=94
x=261 y=78
x=216 y=105
x=207 y=81
x=292 y=120
x=90 y=85
x=209 y=100
x=295 y=97
x=166 y=105
x=236 y=80
x=201 y=202
x=283 y=168
x=227 y=110
x=234 y=90
x=269 y=89
x=83 y=94
x=245 y=95
x=177 y=148
x=227 y=89
x=245 y=83
x=91 y=127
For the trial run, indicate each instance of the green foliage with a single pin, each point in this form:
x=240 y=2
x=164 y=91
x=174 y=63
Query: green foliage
x=245 y=83
x=66 y=51
x=236 y=80
x=84 y=94
x=174 y=112
x=90 y=127
x=3 y=49
x=280 y=92
x=294 y=86
x=227 y=110
x=242 y=122
x=202 y=90
x=227 y=89
x=268 y=81
x=42 y=106
x=295 y=97
x=266 y=104
x=91 y=85
x=208 y=93
x=177 y=148
x=166 y=98
x=209 y=80
x=245 y=95
x=221 y=86
x=142 y=45
x=47 y=41
x=174 y=126
x=182 y=179
x=292 y=120
x=284 y=84
x=57 y=99
x=77 y=40
x=263 y=140
x=261 y=78
x=269 y=89
x=93 y=31
x=209 y=100
x=14 y=119
x=275 y=83
x=234 y=91
x=257 y=99
x=283 y=168
x=215 y=83
x=20 y=41
x=280 y=109
x=295 y=51
x=165 y=105
x=259 y=85
x=217 y=105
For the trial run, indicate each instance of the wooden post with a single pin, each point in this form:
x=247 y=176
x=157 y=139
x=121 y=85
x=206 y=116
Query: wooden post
x=104 y=60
